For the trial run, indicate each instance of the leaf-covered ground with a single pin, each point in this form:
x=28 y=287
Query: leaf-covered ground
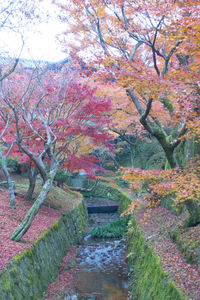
x=155 y=225
x=63 y=285
x=10 y=219
x=61 y=199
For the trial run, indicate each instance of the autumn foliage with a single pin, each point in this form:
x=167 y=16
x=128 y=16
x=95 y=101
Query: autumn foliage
x=70 y=110
x=181 y=183
x=56 y=123
x=151 y=51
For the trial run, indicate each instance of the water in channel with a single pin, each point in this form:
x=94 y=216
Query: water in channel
x=102 y=271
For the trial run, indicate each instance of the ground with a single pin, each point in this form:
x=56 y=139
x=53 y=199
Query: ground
x=10 y=219
x=157 y=224
x=64 y=282
x=46 y=217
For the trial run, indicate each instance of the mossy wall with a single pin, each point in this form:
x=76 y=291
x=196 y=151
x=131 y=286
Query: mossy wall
x=147 y=279
x=29 y=273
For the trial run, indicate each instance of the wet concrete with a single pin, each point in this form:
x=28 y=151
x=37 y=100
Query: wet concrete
x=102 y=271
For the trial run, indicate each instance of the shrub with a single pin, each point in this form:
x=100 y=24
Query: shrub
x=114 y=229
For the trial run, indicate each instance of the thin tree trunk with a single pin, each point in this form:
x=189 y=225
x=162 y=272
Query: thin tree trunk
x=27 y=221
x=9 y=181
x=32 y=181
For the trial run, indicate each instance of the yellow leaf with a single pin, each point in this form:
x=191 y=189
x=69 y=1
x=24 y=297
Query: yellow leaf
x=100 y=11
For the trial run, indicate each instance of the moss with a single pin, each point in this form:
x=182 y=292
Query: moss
x=14 y=271
x=30 y=272
x=188 y=245
x=149 y=280
x=17 y=259
x=5 y=283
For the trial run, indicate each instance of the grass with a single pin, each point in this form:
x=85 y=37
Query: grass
x=58 y=198
x=114 y=229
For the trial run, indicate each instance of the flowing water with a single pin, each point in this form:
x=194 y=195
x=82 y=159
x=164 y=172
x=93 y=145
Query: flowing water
x=102 y=271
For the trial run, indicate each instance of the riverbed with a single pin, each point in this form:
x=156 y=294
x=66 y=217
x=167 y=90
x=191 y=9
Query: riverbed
x=102 y=270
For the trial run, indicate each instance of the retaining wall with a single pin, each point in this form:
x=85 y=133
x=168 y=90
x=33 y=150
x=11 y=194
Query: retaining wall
x=29 y=274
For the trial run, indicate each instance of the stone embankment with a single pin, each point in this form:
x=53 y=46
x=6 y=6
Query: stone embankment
x=30 y=272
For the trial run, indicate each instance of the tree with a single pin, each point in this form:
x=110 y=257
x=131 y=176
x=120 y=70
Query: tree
x=183 y=186
x=15 y=16
x=54 y=117
x=151 y=49
x=163 y=73
x=5 y=122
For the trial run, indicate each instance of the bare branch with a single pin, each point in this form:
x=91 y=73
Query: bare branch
x=134 y=50
x=10 y=71
x=167 y=59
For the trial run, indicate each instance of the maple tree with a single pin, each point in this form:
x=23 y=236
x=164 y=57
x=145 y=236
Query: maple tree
x=182 y=184
x=144 y=51
x=151 y=49
x=57 y=123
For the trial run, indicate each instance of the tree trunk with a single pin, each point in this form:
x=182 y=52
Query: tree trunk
x=170 y=156
x=32 y=181
x=10 y=182
x=194 y=211
x=27 y=221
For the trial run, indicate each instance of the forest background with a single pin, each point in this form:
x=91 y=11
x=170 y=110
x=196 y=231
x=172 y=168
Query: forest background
x=130 y=86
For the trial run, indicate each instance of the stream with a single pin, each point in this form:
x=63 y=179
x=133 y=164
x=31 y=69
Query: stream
x=102 y=271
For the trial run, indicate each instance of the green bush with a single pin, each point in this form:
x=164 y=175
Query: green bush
x=121 y=183
x=116 y=229
x=61 y=177
x=14 y=165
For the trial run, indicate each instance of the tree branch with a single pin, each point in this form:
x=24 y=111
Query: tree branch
x=167 y=59
x=144 y=115
x=147 y=111
x=134 y=50
x=178 y=140
x=10 y=71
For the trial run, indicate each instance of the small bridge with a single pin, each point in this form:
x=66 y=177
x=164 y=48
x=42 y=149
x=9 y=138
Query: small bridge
x=97 y=205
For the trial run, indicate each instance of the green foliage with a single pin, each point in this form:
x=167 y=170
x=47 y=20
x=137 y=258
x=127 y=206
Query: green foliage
x=156 y=161
x=114 y=229
x=146 y=154
x=14 y=165
x=121 y=182
x=61 y=177
x=169 y=204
